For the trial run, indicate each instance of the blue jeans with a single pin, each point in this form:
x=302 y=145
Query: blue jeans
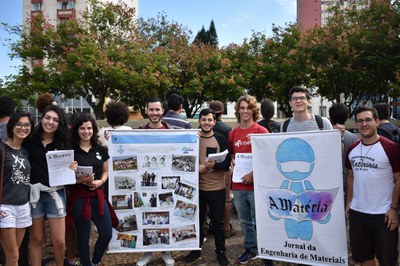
x=46 y=206
x=104 y=229
x=245 y=207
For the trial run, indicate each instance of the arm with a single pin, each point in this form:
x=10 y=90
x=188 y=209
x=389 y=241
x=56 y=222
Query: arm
x=391 y=216
x=223 y=145
x=104 y=176
x=349 y=192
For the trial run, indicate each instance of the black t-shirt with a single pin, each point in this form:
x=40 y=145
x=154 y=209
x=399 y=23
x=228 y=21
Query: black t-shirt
x=95 y=158
x=16 y=179
x=222 y=128
x=37 y=157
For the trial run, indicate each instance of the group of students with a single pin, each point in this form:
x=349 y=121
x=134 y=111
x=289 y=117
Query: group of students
x=29 y=200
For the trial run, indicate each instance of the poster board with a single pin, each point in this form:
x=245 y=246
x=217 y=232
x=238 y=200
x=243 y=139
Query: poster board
x=153 y=187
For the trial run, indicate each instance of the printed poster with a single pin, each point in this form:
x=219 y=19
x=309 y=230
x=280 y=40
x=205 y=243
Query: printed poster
x=153 y=187
x=299 y=197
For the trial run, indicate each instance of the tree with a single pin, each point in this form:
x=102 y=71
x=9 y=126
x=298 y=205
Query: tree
x=212 y=35
x=202 y=37
x=356 y=54
x=81 y=57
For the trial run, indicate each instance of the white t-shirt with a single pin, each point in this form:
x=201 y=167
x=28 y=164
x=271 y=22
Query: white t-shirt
x=373 y=167
x=103 y=140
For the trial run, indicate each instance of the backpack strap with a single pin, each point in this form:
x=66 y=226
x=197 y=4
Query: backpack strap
x=3 y=158
x=285 y=125
x=319 y=121
x=386 y=132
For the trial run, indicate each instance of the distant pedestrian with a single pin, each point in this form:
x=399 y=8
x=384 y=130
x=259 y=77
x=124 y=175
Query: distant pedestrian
x=117 y=114
x=172 y=117
x=7 y=108
x=267 y=111
x=385 y=128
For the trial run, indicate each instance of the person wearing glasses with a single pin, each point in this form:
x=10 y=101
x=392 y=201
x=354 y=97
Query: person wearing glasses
x=302 y=120
x=373 y=191
x=15 y=211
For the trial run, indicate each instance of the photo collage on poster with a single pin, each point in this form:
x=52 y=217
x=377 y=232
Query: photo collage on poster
x=155 y=196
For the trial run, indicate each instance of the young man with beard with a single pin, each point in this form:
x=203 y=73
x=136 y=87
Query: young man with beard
x=155 y=110
x=247 y=113
x=211 y=184
x=373 y=189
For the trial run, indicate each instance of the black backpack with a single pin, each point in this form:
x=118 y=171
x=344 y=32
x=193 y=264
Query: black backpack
x=318 y=119
x=392 y=135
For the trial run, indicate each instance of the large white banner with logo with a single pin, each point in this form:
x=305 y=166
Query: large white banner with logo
x=298 y=185
x=153 y=187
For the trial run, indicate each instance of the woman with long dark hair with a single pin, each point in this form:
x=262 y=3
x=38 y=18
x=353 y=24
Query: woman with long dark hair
x=15 y=212
x=49 y=135
x=86 y=201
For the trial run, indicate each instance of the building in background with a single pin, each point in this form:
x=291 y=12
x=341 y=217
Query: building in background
x=55 y=11
x=315 y=13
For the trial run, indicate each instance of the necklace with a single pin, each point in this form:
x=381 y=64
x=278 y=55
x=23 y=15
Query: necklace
x=365 y=155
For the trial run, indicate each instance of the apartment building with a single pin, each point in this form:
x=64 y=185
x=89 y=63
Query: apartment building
x=315 y=13
x=55 y=11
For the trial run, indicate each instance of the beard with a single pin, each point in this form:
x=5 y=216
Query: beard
x=155 y=119
x=206 y=131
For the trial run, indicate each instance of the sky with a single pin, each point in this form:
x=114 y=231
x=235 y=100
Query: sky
x=234 y=19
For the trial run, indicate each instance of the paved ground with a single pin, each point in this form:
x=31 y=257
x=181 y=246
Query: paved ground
x=233 y=246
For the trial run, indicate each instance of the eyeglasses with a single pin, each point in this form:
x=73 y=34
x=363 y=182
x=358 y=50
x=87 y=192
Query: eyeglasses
x=366 y=120
x=301 y=98
x=21 y=125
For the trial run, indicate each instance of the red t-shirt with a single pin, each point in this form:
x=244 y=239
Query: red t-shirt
x=239 y=142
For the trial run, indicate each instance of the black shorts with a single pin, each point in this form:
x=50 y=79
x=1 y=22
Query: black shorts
x=370 y=238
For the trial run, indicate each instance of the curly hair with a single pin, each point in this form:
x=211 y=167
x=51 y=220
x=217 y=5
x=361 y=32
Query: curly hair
x=252 y=102
x=74 y=131
x=117 y=113
x=44 y=100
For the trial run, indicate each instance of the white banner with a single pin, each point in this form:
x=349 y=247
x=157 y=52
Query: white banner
x=153 y=187
x=298 y=190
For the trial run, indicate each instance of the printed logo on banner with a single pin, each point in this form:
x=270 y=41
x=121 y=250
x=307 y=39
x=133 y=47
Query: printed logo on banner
x=297 y=202
x=120 y=149
x=187 y=150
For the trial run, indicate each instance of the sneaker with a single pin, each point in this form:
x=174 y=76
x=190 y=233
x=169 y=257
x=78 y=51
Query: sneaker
x=193 y=255
x=146 y=258
x=222 y=260
x=246 y=257
x=166 y=257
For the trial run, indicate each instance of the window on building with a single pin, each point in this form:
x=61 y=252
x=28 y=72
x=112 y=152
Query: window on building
x=67 y=5
x=37 y=7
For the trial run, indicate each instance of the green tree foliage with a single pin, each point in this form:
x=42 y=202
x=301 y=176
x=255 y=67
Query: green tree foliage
x=109 y=54
x=356 y=54
x=212 y=35
x=202 y=37
x=209 y=37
